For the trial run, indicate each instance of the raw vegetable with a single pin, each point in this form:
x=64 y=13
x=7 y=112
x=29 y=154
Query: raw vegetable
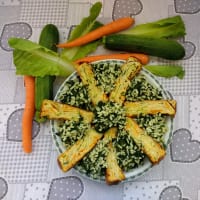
x=144 y=59
x=49 y=37
x=75 y=53
x=164 y=28
x=43 y=90
x=166 y=71
x=160 y=47
x=113 y=27
x=87 y=24
x=32 y=59
x=28 y=114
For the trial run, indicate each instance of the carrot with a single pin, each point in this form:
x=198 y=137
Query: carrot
x=28 y=114
x=144 y=59
x=112 y=27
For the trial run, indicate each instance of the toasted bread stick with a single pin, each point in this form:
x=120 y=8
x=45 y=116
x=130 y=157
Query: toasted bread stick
x=148 y=145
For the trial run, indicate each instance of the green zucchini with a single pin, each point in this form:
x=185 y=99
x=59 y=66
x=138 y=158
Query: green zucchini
x=49 y=37
x=160 y=47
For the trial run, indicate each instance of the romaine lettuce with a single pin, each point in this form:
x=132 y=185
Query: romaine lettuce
x=167 y=71
x=171 y=27
x=32 y=59
x=87 y=24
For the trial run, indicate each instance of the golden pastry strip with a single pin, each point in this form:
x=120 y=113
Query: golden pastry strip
x=150 y=107
x=129 y=70
x=114 y=173
x=148 y=145
x=77 y=151
x=55 y=110
x=86 y=74
x=110 y=134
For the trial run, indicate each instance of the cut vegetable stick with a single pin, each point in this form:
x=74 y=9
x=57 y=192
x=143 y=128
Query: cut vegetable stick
x=86 y=74
x=129 y=70
x=148 y=145
x=150 y=107
x=144 y=59
x=55 y=110
x=113 y=27
x=77 y=151
x=114 y=173
x=28 y=114
x=44 y=85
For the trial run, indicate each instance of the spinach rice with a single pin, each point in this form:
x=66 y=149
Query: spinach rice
x=108 y=115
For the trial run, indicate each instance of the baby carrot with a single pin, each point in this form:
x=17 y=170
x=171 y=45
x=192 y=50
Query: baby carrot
x=28 y=114
x=112 y=27
x=143 y=58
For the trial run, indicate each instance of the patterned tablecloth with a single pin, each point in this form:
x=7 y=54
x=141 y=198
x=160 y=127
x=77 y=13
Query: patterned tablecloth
x=37 y=176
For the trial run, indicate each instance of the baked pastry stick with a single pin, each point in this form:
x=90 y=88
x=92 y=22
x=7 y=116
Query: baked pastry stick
x=114 y=173
x=110 y=134
x=129 y=70
x=78 y=150
x=86 y=74
x=148 y=145
x=150 y=107
x=55 y=110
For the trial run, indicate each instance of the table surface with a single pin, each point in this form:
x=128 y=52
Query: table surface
x=37 y=176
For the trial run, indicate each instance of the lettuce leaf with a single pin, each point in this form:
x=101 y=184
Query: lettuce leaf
x=167 y=71
x=87 y=24
x=75 y=53
x=32 y=59
x=171 y=27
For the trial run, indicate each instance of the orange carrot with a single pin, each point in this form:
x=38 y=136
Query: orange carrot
x=28 y=114
x=144 y=59
x=113 y=27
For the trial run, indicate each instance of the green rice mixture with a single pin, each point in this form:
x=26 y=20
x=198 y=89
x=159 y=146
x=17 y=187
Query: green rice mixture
x=108 y=115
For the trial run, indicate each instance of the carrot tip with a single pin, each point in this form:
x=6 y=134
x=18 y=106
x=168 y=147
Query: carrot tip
x=27 y=150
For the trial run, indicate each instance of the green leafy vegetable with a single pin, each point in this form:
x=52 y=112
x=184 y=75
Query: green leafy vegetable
x=87 y=24
x=166 y=71
x=75 y=53
x=36 y=60
x=32 y=59
x=164 y=28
